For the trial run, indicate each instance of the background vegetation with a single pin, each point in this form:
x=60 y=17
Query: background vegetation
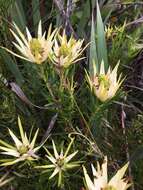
x=114 y=129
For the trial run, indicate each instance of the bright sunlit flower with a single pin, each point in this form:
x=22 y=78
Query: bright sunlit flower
x=66 y=52
x=100 y=181
x=60 y=162
x=22 y=150
x=35 y=50
x=105 y=85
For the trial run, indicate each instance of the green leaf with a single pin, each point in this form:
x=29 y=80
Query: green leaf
x=36 y=12
x=137 y=154
x=12 y=66
x=93 y=4
x=93 y=52
x=18 y=15
x=84 y=19
x=101 y=41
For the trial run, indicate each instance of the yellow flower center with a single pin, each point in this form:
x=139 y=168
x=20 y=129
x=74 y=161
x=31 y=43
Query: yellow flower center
x=109 y=188
x=103 y=79
x=36 y=49
x=66 y=48
x=64 y=51
x=60 y=162
x=22 y=149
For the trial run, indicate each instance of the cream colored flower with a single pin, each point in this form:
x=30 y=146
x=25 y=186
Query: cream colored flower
x=112 y=31
x=66 y=52
x=22 y=150
x=60 y=162
x=105 y=85
x=35 y=50
x=100 y=181
x=109 y=30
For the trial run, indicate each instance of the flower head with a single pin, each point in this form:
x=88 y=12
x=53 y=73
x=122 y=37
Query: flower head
x=60 y=162
x=35 y=50
x=113 y=31
x=22 y=150
x=105 y=85
x=66 y=52
x=100 y=182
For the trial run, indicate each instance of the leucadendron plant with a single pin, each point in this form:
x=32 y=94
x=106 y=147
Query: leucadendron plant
x=100 y=178
x=22 y=150
x=104 y=84
x=80 y=111
x=60 y=162
x=33 y=49
x=103 y=81
x=66 y=51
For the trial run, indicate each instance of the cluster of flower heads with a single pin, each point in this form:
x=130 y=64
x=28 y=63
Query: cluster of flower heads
x=53 y=46
x=25 y=150
x=63 y=52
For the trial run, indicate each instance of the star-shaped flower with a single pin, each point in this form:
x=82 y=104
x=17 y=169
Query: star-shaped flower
x=33 y=49
x=100 y=178
x=66 y=51
x=60 y=162
x=22 y=150
x=104 y=84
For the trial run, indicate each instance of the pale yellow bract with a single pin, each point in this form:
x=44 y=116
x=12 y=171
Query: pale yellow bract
x=36 y=49
x=105 y=84
x=66 y=52
x=100 y=181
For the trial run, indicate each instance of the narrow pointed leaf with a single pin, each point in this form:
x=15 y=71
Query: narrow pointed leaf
x=54 y=173
x=55 y=150
x=93 y=52
x=68 y=158
x=34 y=139
x=18 y=14
x=11 y=65
x=7 y=145
x=15 y=139
x=101 y=41
x=36 y=11
x=21 y=129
